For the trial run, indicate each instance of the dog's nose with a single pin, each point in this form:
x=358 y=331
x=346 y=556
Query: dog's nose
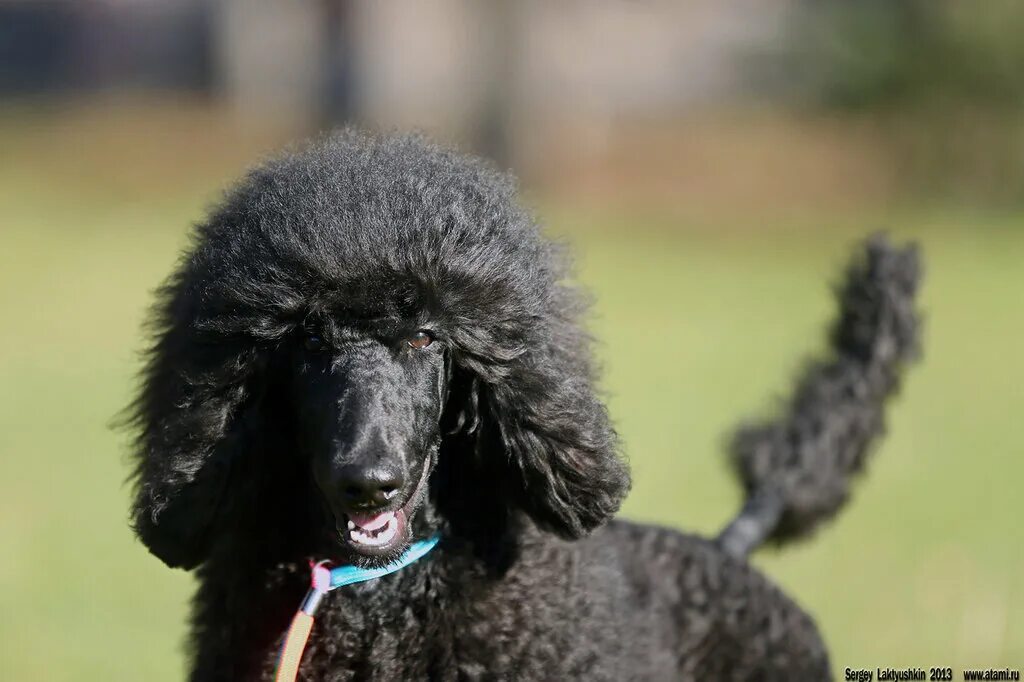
x=368 y=487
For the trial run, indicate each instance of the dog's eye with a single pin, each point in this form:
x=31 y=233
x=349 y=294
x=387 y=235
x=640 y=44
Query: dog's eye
x=420 y=339
x=313 y=343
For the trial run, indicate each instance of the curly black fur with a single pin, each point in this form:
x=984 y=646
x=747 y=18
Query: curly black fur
x=797 y=470
x=279 y=367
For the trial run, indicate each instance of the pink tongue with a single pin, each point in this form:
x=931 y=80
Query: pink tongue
x=371 y=521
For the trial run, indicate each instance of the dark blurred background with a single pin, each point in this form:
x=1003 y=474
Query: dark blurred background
x=711 y=163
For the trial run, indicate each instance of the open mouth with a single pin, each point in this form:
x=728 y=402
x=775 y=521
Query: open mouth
x=381 y=534
x=375 y=533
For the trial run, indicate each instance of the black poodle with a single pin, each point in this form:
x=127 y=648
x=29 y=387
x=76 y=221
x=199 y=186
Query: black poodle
x=370 y=343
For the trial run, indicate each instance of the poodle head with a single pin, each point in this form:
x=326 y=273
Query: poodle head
x=368 y=342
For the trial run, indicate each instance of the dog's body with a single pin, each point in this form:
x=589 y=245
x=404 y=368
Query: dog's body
x=370 y=344
x=628 y=602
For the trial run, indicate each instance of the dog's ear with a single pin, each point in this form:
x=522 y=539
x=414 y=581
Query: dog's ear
x=539 y=410
x=187 y=415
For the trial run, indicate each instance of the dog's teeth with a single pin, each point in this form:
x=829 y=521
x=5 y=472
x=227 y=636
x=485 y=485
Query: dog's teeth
x=382 y=537
x=388 y=534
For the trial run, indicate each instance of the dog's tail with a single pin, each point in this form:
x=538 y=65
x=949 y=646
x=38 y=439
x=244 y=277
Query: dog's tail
x=797 y=469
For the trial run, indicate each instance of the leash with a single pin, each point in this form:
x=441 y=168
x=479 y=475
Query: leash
x=323 y=581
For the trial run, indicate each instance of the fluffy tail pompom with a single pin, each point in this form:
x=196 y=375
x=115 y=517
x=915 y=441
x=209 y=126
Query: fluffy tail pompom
x=797 y=469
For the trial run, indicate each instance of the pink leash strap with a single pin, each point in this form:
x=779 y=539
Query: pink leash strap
x=324 y=580
x=302 y=624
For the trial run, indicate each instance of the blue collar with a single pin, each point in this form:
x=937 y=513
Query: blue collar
x=348 y=575
x=324 y=580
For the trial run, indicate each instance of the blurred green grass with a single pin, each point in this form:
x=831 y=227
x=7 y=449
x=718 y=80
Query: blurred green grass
x=698 y=324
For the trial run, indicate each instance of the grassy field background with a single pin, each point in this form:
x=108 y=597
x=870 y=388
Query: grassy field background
x=701 y=322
